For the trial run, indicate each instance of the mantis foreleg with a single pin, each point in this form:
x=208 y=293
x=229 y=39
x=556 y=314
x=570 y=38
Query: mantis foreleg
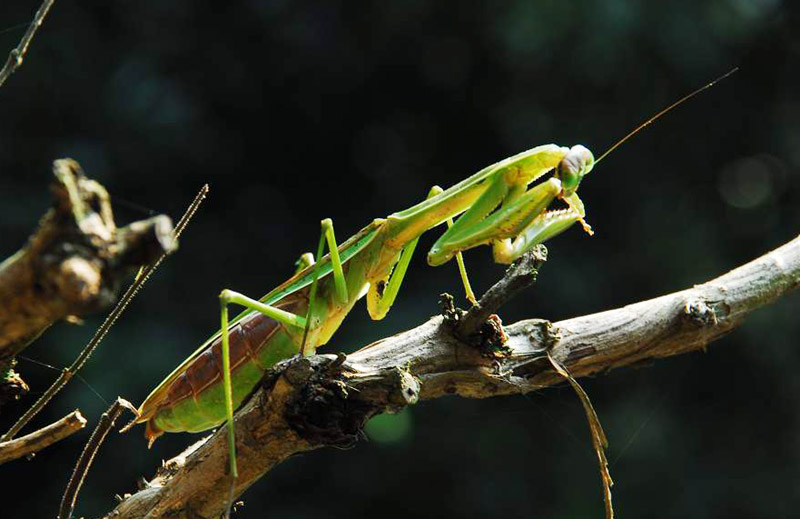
x=507 y=210
x=479 y=225
x=542 y=228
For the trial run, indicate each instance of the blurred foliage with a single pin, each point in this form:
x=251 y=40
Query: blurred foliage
x=296 y=111
x=390 y=428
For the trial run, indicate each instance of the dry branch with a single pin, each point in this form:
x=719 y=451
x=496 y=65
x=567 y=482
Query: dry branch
x=74 y=264
x=307 y=403
x=142 y=277
x=86 y=458
x=17 y=54
x=44 y=437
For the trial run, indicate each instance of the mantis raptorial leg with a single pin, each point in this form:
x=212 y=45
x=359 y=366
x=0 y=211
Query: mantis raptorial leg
x=506 y=210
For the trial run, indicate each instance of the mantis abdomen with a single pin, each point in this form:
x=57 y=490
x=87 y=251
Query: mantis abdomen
x=194 y=400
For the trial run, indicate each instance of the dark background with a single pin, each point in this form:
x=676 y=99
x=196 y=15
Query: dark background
x=296 y=111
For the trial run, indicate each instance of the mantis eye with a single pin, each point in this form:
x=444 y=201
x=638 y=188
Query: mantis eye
x=573 y=167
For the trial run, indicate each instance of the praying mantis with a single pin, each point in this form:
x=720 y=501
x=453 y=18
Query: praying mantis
x=302 y=314
x=506 y=205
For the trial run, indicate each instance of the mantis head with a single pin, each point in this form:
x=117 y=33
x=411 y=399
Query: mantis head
x=578 y=162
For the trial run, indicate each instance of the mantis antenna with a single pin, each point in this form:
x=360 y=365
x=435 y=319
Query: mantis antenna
x=664 y=111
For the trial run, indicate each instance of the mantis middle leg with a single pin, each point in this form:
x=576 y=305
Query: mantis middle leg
x=228 y=297
x=381 y=295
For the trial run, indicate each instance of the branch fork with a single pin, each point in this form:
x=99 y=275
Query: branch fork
x=74 y=264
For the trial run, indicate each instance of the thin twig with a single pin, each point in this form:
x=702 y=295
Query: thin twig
x=42 y=438
x=104 y=425
x=140 y=280
x=16 y=56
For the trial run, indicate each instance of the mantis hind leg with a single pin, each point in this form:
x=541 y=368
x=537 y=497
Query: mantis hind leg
x=227 y=297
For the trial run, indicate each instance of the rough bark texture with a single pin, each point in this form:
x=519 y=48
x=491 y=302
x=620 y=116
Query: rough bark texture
x=307 y=403
x=72 y=265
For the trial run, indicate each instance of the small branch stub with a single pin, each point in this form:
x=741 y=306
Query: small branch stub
x=332 y=405
x=481 y=325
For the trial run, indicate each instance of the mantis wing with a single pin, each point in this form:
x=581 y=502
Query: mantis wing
x=297 y=282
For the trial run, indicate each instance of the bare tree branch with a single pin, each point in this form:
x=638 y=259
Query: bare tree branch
x=73 y=265
x=75 y=261
x=17 y=54
x=307 y=403
x=44 y=437
x=144 y=274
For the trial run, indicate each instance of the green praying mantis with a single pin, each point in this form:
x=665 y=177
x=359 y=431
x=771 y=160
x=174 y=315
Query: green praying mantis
x=507 y=205
x=303 y=313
